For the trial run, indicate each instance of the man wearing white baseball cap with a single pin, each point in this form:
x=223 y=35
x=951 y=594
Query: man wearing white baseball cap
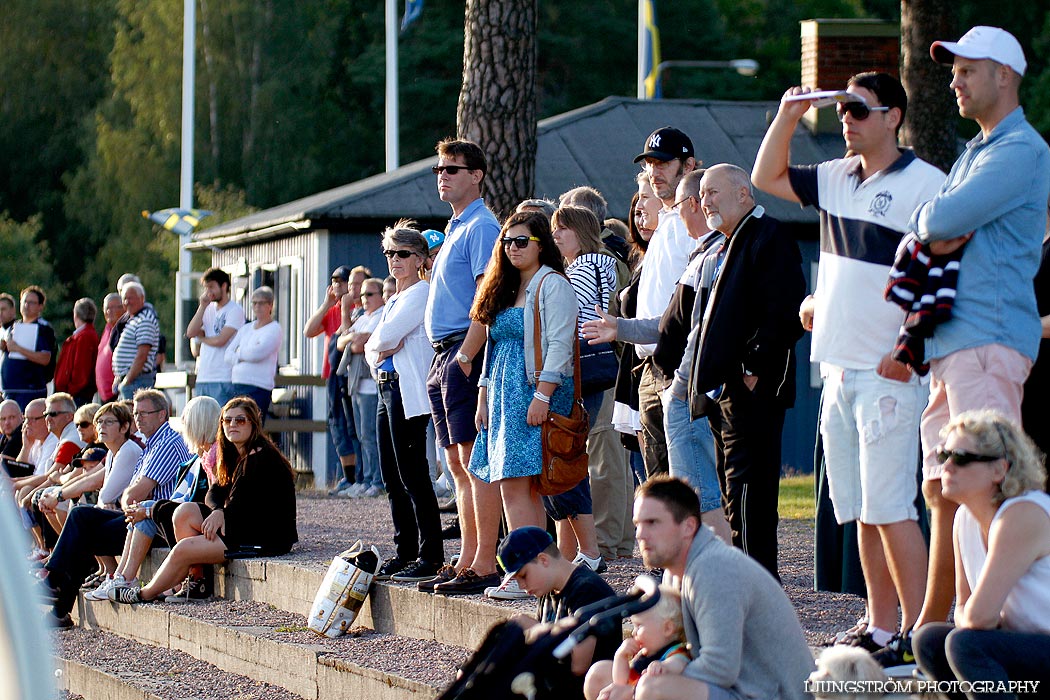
x=994 y=203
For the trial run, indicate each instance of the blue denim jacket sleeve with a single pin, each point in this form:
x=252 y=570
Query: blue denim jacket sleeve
x=559 y=310
x=984 y=184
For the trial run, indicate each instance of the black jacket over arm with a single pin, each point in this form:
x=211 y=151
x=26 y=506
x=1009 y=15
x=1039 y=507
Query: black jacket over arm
x=753 y=321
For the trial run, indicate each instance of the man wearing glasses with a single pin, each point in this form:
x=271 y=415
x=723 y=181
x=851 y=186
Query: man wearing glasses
x=666 y=158
x=872 y=403
x=89 y=531
x=27 y=350
x=452 y=383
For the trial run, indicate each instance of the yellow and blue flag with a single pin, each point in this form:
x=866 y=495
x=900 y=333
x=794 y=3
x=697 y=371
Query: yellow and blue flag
x=179 y=221
x=651 y=50
x=413 y=9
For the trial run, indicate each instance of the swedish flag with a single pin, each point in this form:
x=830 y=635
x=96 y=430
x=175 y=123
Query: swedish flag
x=178 y=221
x=651 y=50
x=413 y=9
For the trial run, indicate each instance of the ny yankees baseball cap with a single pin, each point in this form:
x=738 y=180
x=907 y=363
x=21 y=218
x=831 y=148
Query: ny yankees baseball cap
x=666 y=143
x=980 y=43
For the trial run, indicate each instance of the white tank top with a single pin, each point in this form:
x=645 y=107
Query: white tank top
x=1027 y=607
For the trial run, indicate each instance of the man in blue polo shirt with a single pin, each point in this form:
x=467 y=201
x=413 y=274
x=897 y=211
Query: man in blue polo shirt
x=872 y=403
x=453 y=380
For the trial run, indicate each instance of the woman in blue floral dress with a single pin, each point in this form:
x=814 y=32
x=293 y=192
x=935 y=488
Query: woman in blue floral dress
x=515 y=395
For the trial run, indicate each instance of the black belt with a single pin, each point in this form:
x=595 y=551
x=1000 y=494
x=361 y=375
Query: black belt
x=448 y=341
x=385 y=377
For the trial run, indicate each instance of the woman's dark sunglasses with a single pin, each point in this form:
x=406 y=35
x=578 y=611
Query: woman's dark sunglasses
x=962 y=458
x=450 y=169
x=399 y=253
x=519 y=242
x=857 y=110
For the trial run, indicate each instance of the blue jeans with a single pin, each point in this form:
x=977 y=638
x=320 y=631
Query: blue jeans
x=256 y=393
x=143 y=381
x=220 y=391
x=365 y=407
x=691 y=451
x=340 y=425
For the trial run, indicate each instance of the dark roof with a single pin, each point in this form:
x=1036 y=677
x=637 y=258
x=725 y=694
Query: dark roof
x=594 y=145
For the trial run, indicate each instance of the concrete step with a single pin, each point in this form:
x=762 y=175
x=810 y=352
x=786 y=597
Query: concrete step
x=398 y=609
x=94 y=664
x=273 y=646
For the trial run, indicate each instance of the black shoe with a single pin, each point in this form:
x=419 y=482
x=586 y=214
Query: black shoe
x=60 y=623
x=418 y=570
x=452 y=532
x=897 y=654
x=448 y=506
x=389 y=568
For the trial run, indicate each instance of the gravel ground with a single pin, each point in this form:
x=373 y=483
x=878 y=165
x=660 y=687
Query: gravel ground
x=327 y=525
x=163 y=672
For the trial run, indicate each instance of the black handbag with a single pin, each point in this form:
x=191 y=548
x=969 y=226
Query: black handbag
x=599 y=363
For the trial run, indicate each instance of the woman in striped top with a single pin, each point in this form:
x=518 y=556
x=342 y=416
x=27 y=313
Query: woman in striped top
x=592 y=274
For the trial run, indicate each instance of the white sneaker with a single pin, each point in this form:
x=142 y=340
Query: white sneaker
x=595 y=564
x=508 y=590
x=102 y=592
x=351 y=491
x=373 y=492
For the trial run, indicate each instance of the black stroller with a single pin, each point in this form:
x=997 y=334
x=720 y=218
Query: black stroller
x=506 y=666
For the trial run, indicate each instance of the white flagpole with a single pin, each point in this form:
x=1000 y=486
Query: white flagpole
x=189 y=71
x=391 y=86
x=641 y=49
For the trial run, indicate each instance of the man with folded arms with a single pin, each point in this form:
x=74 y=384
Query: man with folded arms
x=993 y=202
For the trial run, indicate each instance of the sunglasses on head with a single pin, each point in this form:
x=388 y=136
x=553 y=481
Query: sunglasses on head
x=519 y=242
x=857 y=110
x=450 y=169
x=399 y=253
x=962 y=458
x=235 y=420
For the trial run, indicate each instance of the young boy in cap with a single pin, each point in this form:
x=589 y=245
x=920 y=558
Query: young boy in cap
x=531 y=557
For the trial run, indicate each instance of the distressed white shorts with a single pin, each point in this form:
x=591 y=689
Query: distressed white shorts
x=870 y=428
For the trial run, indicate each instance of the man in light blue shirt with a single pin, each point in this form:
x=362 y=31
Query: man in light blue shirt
x=453 y=380
x=993 y=202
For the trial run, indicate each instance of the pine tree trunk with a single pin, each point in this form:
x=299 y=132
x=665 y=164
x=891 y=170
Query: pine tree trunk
x=929 y=127
x=497 y=103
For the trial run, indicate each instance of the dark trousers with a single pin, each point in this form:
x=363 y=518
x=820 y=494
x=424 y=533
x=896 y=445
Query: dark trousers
x=403 y=461
x=947 y=653
x=88 y=531
x=747 y=429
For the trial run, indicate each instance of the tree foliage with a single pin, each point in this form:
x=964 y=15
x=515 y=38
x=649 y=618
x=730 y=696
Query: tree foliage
x=290 y=101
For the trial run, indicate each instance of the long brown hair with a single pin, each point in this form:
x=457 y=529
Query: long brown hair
x=230 y=464
x=499 y=286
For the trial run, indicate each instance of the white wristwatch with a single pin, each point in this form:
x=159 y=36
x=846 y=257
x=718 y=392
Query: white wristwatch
x=462 y=359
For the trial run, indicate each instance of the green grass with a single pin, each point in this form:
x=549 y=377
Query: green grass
x=796 y=497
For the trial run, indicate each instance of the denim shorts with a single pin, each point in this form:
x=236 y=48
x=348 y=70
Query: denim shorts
x=453 y=398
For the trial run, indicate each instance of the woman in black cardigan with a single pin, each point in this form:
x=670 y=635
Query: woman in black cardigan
x=251 y=505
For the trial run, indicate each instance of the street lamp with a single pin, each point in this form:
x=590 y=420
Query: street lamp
x=743 y=66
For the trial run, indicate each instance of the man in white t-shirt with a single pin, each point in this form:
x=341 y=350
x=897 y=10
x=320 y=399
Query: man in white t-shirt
x=667 y=157
x=872 y=403
x=213 y=326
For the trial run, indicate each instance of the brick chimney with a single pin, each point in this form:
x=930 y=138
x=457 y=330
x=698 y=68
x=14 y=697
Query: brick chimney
x=835 y=49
